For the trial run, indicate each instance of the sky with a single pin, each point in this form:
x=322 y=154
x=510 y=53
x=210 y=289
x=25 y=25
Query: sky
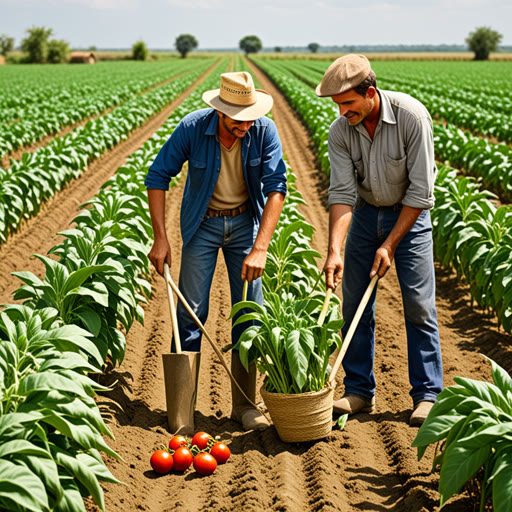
x=222 y=23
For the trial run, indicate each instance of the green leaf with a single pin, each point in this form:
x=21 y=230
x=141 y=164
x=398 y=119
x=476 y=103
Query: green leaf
x=342 y=420
x=297 y=360
x=502 y=480
x=19 y=487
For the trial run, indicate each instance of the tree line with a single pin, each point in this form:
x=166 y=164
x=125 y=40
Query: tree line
x=39 y=48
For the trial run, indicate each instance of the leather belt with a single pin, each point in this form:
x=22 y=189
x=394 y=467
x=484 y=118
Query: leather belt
x=211 y=212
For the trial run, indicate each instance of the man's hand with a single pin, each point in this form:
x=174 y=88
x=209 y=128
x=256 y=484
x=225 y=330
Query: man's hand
x=254 y=265
x=159 y=254
x=333 y=269
x=383 y=259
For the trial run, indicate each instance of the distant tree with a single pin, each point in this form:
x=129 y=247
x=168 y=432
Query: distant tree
x=313 y=47
x=92 y=48
x=58 y=52
x=140 y=51
x=185 y=43
x=482 y=41
x=250 y=44
x=278 y=49
x=36 y=44
x=6 y=44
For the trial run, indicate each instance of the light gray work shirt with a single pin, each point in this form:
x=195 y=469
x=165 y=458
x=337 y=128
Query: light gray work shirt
x=398 y=166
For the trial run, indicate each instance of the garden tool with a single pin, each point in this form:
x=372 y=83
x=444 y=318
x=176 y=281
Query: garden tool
x=352 y=329
x=172 y=285
x=181 y=373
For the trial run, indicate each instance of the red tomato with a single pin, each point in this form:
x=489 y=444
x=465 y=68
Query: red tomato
x=204 y=463
x=200 y=440
x=182 y=458
x=220 y=452
x=176 y=442
x=161 y=461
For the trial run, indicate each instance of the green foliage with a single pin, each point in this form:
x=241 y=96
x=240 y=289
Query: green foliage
x=58 y=51
x=250 y=44
x=287 y=342
x=482 y=41
x=313 y=47
x=139 y=51
x=35 y=44
x=185 y=43
x=471 y=422
x=6 y=44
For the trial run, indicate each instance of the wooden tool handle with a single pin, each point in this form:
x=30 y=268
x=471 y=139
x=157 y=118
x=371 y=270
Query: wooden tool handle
x=174 y=318
x=352 y=328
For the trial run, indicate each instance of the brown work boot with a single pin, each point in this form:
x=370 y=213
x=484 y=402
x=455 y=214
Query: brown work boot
x=243 y=412
x=420 y=413
x=352 y=404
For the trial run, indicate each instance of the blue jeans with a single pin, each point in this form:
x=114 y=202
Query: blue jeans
x=235 y=236
x=415 y=270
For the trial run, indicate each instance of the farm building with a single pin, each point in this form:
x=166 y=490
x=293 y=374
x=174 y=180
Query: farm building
x=83 y=58
x=2 y=60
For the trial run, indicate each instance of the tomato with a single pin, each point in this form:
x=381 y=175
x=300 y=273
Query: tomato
x=220 y=452
x=182 y=458
x=176 y=442
x=200 y=440
x=161 y=461
x=204 y=463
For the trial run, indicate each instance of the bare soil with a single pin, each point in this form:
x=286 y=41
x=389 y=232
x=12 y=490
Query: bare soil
x=370 y=465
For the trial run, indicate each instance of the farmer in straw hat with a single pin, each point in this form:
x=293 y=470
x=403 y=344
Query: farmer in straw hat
x=382 y=180
x=234 y=193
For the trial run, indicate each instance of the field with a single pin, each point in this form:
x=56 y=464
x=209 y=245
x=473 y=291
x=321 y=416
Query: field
x=71 y=136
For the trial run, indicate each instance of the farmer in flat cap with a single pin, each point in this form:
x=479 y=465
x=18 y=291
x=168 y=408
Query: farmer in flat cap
x=381 y=190
x=233 y=196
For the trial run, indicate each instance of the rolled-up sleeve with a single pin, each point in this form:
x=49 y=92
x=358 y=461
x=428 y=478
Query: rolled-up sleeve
x=170 y=160
x=421 y=165
x=342 y=189
x=273 y=177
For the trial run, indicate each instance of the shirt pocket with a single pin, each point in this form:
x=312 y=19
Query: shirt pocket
x=196 y=172
x=396 y=170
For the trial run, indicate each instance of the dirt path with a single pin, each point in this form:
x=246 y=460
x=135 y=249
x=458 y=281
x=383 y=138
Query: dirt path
x=368 y=466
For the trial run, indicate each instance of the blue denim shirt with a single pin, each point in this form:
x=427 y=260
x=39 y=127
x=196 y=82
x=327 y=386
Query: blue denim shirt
x=195 y=139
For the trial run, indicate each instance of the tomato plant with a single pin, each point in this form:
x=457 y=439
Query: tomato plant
x=201 y=440
x=182 y=458
x=161 y=461
x=176 y=442
x=204 y=463
x=220 y=452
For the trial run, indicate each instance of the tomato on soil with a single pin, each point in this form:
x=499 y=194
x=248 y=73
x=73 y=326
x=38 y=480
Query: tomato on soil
x=182 y=458
x=161 y=461
x=220 y=452
x=176 y=442
x=204 y=463
x=200 y=440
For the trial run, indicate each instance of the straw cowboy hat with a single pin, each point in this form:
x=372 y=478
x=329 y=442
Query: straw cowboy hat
x=237 y=97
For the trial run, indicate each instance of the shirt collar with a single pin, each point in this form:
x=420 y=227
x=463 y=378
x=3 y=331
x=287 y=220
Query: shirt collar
x=386 y=112
x=212 y=125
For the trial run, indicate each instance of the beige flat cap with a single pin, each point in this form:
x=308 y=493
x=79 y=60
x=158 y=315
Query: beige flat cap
x=344 y=74
x=237 y=97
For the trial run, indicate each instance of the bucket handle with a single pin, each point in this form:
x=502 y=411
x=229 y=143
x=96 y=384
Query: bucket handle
x=171 y=283
x=352 y=329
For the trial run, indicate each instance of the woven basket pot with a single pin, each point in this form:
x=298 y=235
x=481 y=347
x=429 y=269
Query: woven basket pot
x=302 y=416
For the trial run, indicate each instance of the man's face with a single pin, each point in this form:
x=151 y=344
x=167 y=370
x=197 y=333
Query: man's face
x=236 y=128
x=354 y=106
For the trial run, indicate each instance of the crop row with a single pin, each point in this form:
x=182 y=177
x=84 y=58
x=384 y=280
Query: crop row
x=489 y=236
x=37 y=176
x=68 y=326
x=28 y=125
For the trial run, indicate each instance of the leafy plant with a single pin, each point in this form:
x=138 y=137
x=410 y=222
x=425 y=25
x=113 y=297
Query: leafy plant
x=471 y=423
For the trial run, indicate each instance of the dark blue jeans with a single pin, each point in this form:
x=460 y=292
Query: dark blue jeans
x=235 y=236
x=415 y=270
